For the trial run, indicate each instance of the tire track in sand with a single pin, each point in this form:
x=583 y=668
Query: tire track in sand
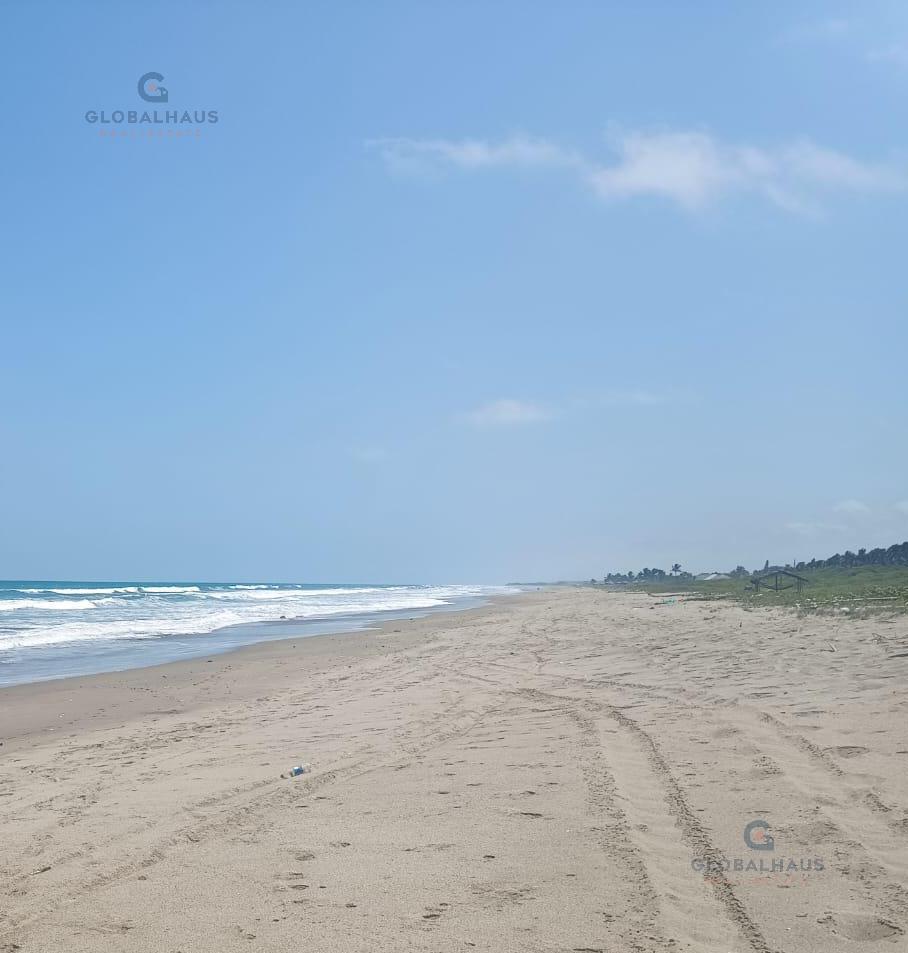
x=689 y=825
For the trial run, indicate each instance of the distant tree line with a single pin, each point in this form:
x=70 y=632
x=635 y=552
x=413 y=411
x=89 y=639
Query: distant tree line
x=647 y=575
x=895 y=555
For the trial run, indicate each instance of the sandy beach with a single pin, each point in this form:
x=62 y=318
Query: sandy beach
x=563 y=770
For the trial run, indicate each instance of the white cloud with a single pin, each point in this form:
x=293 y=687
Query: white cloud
x=639 y=398
x=507 y=413
x=879 y=40
x=812 y=528
x=836 y=26
x=837 y=170
x=852 y=508
x=829 y=29
x=368 y=455
x=896 y=53
x=689 y=168
x=413 y=154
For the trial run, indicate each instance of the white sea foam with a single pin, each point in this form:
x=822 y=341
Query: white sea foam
x=101 y=590
x=137 y=612
x=65 y=633
x=93 y=591
x=176 y=590
x=264 y=595
x=58 y=605
x=261 y=586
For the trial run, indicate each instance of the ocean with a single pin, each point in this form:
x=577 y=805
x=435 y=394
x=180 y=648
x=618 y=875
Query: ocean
x=56 y=629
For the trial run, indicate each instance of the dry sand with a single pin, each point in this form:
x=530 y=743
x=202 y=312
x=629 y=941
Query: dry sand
x=539 y=774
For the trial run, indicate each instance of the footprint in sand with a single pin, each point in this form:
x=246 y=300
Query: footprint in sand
x=292 y=880
x=860 y=927
x=726 y=732
x=433 y=913
x=819 y=831
x=848 y=751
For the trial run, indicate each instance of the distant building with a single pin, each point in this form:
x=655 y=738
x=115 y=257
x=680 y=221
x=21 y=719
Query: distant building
x=711 y=576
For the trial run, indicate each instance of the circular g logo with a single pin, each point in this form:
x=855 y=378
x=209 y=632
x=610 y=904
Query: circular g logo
x=757 y=836
x=149 y=89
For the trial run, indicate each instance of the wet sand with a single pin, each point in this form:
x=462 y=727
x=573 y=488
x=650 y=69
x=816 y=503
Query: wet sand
x=548 y=773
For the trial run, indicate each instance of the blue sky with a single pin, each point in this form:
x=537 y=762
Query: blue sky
x=452 y=292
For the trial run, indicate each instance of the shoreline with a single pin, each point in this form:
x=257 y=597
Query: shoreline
x=107 y=656
x=38 y=705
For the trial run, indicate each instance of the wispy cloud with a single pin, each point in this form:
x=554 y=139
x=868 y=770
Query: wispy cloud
x=852 y=508
x=835 y=26
x=880 y=39
x=809 y=528
x=508 y=413
x=368 y=455
x=690 y=168
x=632 y=398
x=826 y=29
x=856 y=517
x=419 y=154
x=627 y=398
x=896 y=53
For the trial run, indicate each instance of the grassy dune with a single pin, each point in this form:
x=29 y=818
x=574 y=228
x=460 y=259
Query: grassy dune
x=858 y=590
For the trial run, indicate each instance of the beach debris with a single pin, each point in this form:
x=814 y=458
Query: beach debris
x=297 y=770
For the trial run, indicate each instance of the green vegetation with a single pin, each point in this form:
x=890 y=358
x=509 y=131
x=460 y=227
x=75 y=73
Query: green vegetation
x=853 y=584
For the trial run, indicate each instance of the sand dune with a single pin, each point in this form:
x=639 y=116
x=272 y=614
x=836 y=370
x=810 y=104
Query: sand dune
x=549 y=773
